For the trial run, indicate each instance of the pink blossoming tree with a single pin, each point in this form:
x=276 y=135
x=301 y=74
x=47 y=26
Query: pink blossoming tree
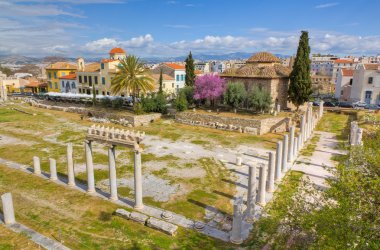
x=210 y=87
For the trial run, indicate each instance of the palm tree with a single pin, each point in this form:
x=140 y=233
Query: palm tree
x=132 y=77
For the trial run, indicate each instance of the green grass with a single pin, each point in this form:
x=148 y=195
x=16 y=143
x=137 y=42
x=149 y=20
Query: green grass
x=337 y=123
x=266 y=228
x=310 y=148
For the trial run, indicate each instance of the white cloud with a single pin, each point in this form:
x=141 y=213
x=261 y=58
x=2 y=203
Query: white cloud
x=326 y=5
x=178 y=26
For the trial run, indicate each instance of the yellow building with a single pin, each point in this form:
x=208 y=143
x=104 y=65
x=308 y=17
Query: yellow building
x=57 y=70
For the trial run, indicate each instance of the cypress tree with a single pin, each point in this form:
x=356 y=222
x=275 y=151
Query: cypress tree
x=300 y=88
x=190 y=74
x=160 y=91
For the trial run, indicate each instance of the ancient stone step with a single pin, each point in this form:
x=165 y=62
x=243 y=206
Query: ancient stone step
x=162 y=226
x=138 y=217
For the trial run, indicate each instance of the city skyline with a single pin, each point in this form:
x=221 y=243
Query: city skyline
x=172 y=28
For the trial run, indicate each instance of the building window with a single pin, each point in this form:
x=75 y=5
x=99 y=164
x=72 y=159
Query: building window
x=173 y=85
x=103 y=80
x=80 y=79
x=177 y=78
x=50 y=85
x=102 y=65
x=55 y=85
x=49 y=75
x=85 y=79
x=96 y=79
x=163 y=85
x=103 y=93
x=90 y=80
x=108 y=93
x=79 y=91
x=351 y=81
x=55 y=74
x=97 y=92
x=63 y=74
x=370 y=80
x=73 y=85
x=182 y=77
x=63 y=84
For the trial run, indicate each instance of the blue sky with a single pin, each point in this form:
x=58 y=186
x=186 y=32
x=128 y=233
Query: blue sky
x=173 y=27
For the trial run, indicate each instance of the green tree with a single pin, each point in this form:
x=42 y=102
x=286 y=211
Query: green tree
x=235 y=94
x=300 y=89
x=259 y=99
x=190 y=72
x=160 y=82
x=189 y=94
x=132 y=77
x=180 y=102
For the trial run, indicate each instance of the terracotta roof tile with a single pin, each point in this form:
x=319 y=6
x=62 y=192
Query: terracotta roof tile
x=69 y=76
x=348 y=72
x=263 y=57
x=175 y=66
x=117 y=50
x=372 y=66
x=164 y=76
x=344 y=61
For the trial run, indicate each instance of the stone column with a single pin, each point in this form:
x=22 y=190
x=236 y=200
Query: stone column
x=285 y=144
x=353 y=131
x=112 y=172
x=238 y=160
x=89 y=167
x=277 y=175
x=251 y=196
x=359 y=136
x=138 y=181
x=302 y=128
x=8 y=210
x=291 y=144
x=262 y=184
x=295 y=150
x=299 y=144
x=237 y=221
x=53 y=169
x=321 y=109
x=36 y=165
x=70 y=165
x=270 y=181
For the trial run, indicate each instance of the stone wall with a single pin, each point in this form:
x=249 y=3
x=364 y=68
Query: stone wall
x=238 y=124
x=126 y=120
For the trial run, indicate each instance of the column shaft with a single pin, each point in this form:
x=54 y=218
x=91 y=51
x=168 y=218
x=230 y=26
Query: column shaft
x=89 y=167
x=278 y=161
x=262 y=184
x=8 y=210
x=70 y=165
x=271 y=170
x=251 y=195
x=291 y=144
x=53 y=169
x=285 y=154
x=36 y=165
x=237 y=220
x=138 y=181
x=112 y=173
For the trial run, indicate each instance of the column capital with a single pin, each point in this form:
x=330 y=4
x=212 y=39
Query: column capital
x=87 y=141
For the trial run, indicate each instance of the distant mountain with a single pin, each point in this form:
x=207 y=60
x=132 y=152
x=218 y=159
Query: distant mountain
x=23 y=60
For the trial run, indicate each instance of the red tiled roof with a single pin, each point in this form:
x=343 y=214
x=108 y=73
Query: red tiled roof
x=372 y=66
x=117 y=50
x=348 y=72
x=198 y=72
x=344 y=61
x=69 y=76
x=175 y=66
x=36 y=84
x=164 y=77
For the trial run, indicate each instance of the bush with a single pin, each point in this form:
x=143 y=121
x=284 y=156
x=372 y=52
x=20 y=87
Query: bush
x=180 y=102
x=188 y=91
x=259 y=99
x=235 y=94
x=155 y=103
x=105 y=102
x=138 y=109
x=117 y=103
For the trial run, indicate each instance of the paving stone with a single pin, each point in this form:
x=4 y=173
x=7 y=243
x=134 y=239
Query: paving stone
x=162 y=226
x=123 y=213
x=138 y=217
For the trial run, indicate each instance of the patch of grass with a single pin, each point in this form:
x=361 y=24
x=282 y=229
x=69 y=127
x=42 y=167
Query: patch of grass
x=337 y=123
x=200 y=142
x=266 y=228
x=310 y=148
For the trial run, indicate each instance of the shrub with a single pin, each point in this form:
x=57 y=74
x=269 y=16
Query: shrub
x=259 y=99
x=138 y=109
x=117 y=103
x=180 y=102
x=235 y=94
x=105 y=102
x=188 y=91
x=155 y=103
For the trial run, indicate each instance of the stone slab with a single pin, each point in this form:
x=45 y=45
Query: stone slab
x=162 y=226
x=123 y=213
x=138 y=217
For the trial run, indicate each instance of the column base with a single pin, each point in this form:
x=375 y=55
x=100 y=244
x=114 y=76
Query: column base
x=91 y=191
x=236 y=241
x=262 y=204
x=71 y=184
x=114 y=198
x=138 y=207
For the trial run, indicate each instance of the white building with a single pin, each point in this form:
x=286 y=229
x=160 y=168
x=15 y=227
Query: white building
x=202 y=66
x=344 y=84
x=322 y=64
x=177 y=71
x=366 y=84
x=343 y=63
x=68 y=84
